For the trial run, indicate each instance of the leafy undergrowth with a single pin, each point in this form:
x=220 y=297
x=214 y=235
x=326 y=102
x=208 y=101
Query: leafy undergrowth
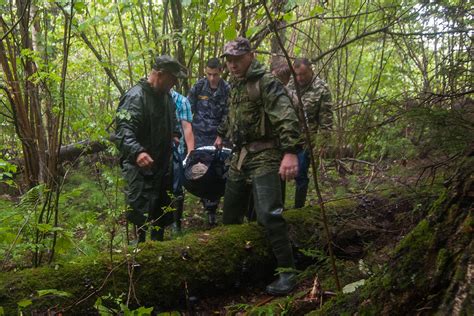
x=91 y=222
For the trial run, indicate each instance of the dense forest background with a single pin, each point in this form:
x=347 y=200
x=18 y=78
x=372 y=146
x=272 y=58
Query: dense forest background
x=400 y=73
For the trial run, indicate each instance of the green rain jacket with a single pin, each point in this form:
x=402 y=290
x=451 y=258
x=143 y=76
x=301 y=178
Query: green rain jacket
x=145 y=122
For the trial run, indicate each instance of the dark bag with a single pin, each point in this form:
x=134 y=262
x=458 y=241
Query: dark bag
x=205 y=172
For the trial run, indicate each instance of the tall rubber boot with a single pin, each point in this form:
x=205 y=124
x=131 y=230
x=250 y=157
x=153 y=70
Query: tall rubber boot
x=178 y=215
x=268 y=204
x=236 y=199
x=211 y=217
x=141 y=232
x=300 y=196
x=157 y=233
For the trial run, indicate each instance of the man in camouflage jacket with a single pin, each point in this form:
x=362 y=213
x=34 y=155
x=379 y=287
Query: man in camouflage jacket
x=317 y=109
x=264 y=129
x=145 y=124
x=208 y=98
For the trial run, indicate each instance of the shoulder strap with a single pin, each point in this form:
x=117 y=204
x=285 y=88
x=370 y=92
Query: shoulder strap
x=253 y=90
x=201 y=83
x=255 y=94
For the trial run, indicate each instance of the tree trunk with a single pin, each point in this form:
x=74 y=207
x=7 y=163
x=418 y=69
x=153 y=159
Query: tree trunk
x=177 y=12
x=278 y=7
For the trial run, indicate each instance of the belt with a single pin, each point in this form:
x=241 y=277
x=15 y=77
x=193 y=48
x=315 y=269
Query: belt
x=254 y=147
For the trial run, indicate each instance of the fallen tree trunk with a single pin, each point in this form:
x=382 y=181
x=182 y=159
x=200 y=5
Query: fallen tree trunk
x=163 y=274
x=86 y=147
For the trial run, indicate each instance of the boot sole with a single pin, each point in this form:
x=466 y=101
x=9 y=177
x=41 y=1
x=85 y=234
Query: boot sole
x=277 y=293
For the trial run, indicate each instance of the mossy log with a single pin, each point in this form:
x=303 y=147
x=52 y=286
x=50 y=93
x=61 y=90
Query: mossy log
x=161 y=274
x=431 y=271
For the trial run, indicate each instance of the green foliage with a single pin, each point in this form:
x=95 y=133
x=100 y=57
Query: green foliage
x=90 y=207
x=7 y=170
x=120 y=308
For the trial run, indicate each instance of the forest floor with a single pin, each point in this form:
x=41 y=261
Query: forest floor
x=353 y=180
x=92 y=202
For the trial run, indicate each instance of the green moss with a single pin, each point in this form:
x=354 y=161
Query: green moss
x=419 y=239
x=441 y=260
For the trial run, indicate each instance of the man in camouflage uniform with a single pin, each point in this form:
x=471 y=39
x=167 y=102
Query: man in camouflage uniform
x=145 y=124
x=317 y=109
x=208 y=98
x=264 y=129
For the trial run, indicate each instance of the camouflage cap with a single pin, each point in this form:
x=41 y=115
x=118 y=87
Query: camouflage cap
x=169 y=64
x=237 y=47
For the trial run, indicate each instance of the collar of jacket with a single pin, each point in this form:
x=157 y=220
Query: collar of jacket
x=220 y=87
x=148 y=88
x=309 y=85
x=255 y=71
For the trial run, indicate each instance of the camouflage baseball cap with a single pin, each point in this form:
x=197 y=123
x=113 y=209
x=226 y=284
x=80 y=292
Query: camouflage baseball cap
x=237 y=47
x=169 y=64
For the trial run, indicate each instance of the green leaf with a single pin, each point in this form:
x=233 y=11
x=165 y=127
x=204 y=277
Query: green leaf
x=44 y=227
x=24 y=303
x=288 y=16
x=214 y=22
x=316 y=10
x=230 y=31
x=143 y=311
x=2 y=312
x=53 y=292
x=80 y=6
x=349 y=288
x=251 y=31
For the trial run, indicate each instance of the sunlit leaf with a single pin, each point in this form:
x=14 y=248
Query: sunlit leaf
x=24 y=303
x=80 y=6
x=53 y=292
x=288 y=16
x=230 y=32
x=349 y=288
x=316 y=10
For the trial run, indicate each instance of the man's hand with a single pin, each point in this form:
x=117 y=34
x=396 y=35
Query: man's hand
x=218 y=142
x=144 y=160
x=289 y=167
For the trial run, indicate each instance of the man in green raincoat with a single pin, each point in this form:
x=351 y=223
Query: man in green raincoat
x=145 y=126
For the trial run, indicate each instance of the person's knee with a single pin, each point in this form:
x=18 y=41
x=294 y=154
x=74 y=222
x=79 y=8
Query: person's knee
x=271 y=219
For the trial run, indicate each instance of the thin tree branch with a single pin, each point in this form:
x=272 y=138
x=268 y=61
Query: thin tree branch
x=310 y=146
x=17 y=22
x=429 y=33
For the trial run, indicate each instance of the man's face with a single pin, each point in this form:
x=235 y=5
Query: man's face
x=304 y=75
x=164 y=82
x=213 y=75
x=238 y=65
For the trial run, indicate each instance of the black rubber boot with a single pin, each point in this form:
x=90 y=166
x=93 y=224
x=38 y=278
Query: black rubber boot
x=269 y=207
x=141 y=232
x=157 y=233
x=237 y=193
x=211 y=217
x=178 y=214
x=300 y=196
x=285 y=283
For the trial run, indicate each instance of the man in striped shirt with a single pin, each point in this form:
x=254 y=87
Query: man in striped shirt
x=181 y=148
